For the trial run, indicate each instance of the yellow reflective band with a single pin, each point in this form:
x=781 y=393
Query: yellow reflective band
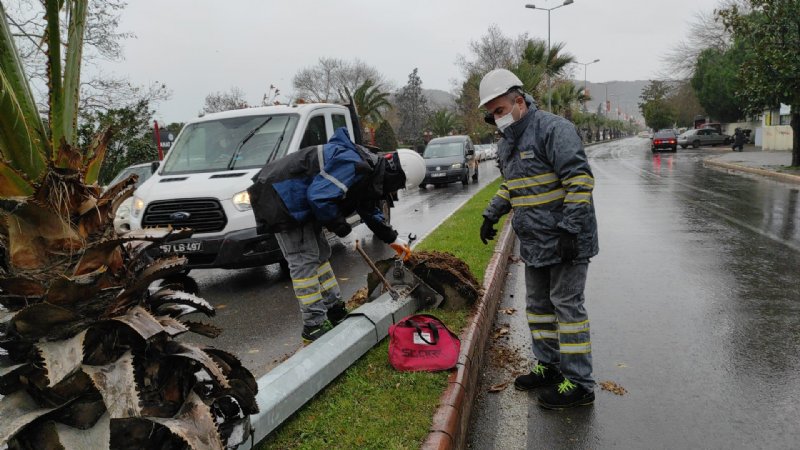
x=578 y=197
x=544 y=334
x=300 y=280
x=538 y=199
x=502 y=194
x=541 y=318
x=301 y=297
x=585 y=179
x=308 y=283
x=330 y=284
x=573 y=327
x=519 y=183
x=584 y=347
x=323 y=269
x=311 y=300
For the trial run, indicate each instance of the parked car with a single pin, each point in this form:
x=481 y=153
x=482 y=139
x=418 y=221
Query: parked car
x=702 y=137
x=450 y=159
x=202 y=182
x=122 y=221
x=484 y=150
x=645 y=134
x=665 y=139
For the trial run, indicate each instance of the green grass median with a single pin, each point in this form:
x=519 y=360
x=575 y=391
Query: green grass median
x=371 y=405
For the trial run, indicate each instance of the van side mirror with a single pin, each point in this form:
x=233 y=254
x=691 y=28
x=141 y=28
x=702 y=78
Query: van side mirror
x=154 y=166
x=470 y=152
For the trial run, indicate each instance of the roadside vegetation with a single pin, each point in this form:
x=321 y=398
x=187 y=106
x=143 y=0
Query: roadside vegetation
x=371 y=405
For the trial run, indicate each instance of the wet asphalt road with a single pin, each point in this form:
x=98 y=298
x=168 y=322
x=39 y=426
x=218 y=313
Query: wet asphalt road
x=694 y=302
x=257 y=309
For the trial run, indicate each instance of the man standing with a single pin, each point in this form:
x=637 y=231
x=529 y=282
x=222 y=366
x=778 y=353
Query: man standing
x=315 y=187
x=548 y=184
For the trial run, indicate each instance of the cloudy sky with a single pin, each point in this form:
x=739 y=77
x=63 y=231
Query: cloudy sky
x=202 y=46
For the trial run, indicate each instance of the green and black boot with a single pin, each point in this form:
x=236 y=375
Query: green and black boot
x=337 y=313
x=566 y=395
x=311 y=334
x=541 y=375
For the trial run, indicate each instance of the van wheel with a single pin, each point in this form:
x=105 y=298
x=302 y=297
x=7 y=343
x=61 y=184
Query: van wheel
x=465 y=179
x=475 y=176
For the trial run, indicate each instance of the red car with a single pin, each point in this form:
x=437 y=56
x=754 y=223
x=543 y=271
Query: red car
x=665 y=140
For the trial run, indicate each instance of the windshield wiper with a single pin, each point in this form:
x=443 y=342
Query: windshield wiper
x=275 y=149
x=252 y=133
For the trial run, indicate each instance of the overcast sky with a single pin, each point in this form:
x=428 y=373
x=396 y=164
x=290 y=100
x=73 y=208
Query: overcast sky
x=202 y=46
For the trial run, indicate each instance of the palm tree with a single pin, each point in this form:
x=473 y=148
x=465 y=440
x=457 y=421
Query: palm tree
x=535 y=65
x=370 y=102
x=566 y=97
x=443 y=122
x=90 y=356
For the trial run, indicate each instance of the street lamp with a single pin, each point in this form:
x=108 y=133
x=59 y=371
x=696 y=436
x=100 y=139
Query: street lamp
x=585 y=65
x=547 y=63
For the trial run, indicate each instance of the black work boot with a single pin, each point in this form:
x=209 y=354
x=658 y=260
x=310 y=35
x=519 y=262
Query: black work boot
x=566 y=395
x=541 y=375
x=312 y=333
x=337 y=313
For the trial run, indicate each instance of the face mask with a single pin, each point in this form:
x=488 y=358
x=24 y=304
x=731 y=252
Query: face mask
x=505 y=121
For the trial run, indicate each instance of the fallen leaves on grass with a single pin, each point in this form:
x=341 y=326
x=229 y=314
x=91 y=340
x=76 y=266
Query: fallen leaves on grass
x=610 y=386
x=499 y=387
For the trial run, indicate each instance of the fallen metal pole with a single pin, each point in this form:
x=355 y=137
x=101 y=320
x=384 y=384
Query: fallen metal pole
x=392 y=291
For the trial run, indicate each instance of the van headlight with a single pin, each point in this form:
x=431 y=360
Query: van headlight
x=241 y=201
x=456 y=166
x=138 y=206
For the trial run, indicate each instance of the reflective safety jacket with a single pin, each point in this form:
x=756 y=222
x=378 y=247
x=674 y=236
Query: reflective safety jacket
x=548 y=183
x=324 y=184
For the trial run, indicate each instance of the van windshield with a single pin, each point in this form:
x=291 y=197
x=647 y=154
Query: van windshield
x=209 y=146
x=443 y=150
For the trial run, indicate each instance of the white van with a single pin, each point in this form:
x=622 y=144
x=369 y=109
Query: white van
x=202 y=182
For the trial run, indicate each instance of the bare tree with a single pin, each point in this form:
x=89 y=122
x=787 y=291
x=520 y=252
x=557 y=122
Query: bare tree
x=493 y=50
x=331 y=77
x=102 y=42
x=705 y=31
x=225 y=101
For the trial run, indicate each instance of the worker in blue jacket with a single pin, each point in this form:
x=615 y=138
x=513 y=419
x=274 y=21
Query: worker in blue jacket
x=315 y=187
x=548 y=183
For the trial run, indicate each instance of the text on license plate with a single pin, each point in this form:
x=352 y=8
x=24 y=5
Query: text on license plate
x=438 y=174
x=183 y=247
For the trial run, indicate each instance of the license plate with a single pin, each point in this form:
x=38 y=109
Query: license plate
x=438 y=174
x=183 y=247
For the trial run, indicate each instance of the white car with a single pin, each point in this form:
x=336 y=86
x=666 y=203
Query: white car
x=122 y=221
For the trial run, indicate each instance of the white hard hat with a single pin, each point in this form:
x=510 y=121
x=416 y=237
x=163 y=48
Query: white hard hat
x=496 y=83
x=413 y=165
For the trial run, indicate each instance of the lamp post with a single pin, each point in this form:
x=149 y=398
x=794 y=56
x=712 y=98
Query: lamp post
x=585 y=65
x=547 y=63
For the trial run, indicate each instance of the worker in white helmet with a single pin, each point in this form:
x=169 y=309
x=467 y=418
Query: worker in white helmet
x=548 y=183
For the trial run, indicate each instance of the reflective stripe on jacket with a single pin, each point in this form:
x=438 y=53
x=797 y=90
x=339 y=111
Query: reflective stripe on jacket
x=548 y=183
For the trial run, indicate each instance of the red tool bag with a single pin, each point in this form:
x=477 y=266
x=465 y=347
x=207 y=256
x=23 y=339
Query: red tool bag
x=422 y=343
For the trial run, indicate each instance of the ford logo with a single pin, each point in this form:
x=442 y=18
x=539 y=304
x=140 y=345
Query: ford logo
x=180 y=216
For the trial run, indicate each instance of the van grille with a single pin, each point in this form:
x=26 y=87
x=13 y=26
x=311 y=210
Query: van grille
x=205 y=215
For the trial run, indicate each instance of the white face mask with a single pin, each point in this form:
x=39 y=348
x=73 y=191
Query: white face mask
x=503 y=122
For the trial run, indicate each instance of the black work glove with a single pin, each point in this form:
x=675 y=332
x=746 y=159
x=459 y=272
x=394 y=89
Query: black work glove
x=568 y=246
x=487 y=230
x=340 y=229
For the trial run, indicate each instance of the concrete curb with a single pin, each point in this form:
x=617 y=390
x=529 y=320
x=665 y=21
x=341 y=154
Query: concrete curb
x=789 y=178
x=451 y=419
x=290 y=385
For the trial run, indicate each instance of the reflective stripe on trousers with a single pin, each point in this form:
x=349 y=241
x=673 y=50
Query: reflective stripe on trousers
x=558 y=320
x=314 y=283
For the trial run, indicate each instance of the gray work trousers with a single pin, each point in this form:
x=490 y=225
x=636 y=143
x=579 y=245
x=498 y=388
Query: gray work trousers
x=307 y=252
x=558 y=321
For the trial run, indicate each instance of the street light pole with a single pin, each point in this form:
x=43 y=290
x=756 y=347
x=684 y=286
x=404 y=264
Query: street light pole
x=585 y=65
x=547 y=63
